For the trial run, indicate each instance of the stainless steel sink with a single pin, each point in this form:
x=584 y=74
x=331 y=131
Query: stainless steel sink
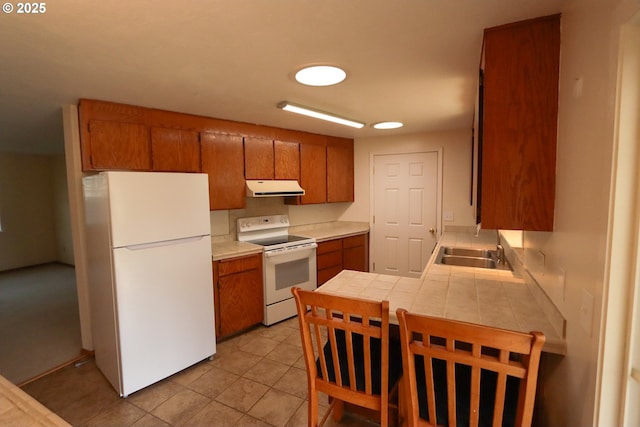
x=479 y=253
x=466 y=257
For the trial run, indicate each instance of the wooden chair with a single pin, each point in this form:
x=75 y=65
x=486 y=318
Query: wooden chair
x=352 y=335
x=461 y=374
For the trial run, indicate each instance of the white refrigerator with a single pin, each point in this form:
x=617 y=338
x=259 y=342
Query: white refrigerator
x=148 y=238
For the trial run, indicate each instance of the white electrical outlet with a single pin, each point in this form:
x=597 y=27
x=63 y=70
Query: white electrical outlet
x=448 y=216
x=586 y=311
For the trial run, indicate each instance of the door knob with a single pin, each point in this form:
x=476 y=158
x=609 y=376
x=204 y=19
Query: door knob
x=432 y=230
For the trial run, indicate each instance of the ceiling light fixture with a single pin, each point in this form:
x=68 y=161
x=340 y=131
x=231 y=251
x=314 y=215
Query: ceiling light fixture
x=388 y=125
x=320 y=75
x=306 y=111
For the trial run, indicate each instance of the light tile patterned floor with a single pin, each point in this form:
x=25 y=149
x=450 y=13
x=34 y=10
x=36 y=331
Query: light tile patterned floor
x=256 y=379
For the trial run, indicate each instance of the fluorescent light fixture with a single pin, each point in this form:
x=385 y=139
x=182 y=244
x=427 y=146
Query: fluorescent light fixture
x=320 y=75
x=322 y=115
x=388 y=125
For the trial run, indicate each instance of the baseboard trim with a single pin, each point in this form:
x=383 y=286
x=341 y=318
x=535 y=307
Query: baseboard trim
x=79 y=359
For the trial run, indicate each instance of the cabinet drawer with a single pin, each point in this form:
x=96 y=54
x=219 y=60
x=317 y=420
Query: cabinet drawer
x=329 y=246
x=330 y=259
x=353 y=241
x=235 y=265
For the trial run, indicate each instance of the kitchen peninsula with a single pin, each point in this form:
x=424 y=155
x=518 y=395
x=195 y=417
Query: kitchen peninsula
x=496 y=298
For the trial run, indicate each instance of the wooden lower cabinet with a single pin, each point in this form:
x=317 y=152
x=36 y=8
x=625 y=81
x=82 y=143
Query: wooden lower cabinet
x=349 y=253
x=328 y=259
x=355 y=252
x=238 y=294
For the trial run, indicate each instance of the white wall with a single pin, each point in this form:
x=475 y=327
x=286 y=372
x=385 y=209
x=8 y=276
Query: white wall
x=28 y=234
x=61 y=212
x=578 y=244
x=456 y=149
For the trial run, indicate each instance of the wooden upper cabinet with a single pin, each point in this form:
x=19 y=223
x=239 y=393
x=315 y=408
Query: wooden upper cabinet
x=268 y=159
x=223 y=160
x=258 y=158
x=125 y=137
x=313 y=173
x=340 y=171
x=113 y=136
x=520 y=109
x=118 y=145
x=287 y=160
x=175 y=150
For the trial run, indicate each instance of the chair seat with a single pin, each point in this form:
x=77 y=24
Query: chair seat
x=395 y=362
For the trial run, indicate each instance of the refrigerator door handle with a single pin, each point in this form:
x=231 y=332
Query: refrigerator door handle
x=164 y=243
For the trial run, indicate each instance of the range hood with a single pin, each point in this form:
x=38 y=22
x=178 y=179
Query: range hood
x=273 y=188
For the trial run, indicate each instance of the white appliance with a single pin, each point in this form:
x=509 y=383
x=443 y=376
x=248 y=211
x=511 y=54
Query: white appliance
x=288 y=261
x=148 y=237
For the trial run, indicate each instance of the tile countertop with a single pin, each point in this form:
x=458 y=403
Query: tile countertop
x=321 y=232
x=233 y=248
x=494 y=298
x=330 y=230
x=17 y=408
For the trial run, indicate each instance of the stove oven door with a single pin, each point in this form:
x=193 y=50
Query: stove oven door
x=288 y=268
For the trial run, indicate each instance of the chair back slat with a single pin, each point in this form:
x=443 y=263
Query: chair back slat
x=451 y=394
x=474 y=415
x=484 y=376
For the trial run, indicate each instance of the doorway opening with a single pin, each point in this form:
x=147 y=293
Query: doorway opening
x=39 y=321
x=619 y=368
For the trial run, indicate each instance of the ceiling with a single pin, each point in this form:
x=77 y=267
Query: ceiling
x=413 y=61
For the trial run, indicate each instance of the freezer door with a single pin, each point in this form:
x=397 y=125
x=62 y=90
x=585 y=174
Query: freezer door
x=164 y=304
x=154 y=206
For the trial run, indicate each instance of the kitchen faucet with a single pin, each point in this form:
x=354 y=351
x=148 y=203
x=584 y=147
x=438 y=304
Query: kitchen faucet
x=499 y=249
x=500 y=254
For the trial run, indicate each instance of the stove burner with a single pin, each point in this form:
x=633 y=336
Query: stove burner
x=278 y=240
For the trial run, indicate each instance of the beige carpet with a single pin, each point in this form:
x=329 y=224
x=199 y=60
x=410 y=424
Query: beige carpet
x=39 y=324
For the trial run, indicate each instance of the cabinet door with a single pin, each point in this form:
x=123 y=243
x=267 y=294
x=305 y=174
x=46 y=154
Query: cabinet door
x=258 y=158
x=313 y=173
x=223 y=160
x=240 y=295
x=175 y=150
x=340 y=172
x=355 y=253
x=241 y=302
x=117 y=145
x=287 y=160
x=329 y=259
x=520 y=111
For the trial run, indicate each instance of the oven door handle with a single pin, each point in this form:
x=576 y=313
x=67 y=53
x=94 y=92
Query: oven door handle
x=293 y=250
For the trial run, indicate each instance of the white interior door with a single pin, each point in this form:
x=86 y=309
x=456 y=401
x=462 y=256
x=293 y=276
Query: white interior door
x=405 y=212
